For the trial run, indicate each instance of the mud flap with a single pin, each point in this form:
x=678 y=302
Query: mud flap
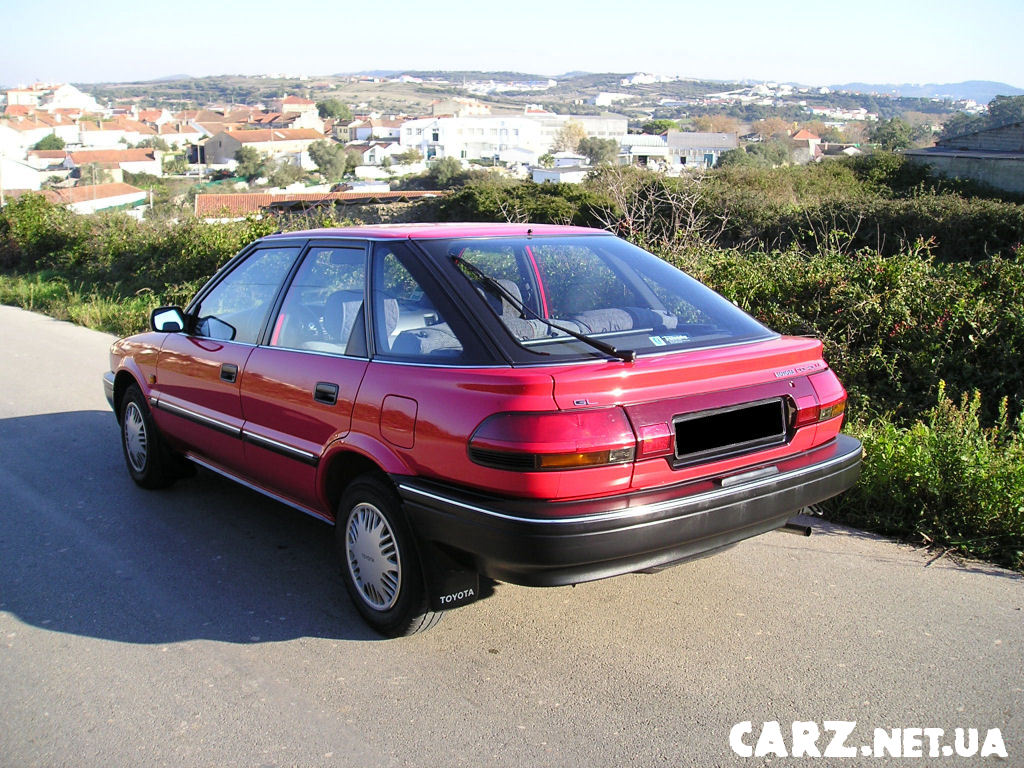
x=449 y=583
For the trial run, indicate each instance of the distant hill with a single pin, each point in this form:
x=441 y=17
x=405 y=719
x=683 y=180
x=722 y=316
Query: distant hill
x=981 y=91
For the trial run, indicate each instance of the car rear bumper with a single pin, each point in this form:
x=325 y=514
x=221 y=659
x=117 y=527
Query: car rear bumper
x=538 y=543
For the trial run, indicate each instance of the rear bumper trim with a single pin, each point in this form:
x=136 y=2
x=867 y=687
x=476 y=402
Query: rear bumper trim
x=538 y=542
x=770 y=477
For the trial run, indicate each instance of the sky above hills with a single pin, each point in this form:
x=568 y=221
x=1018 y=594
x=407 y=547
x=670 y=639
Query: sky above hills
x=879 y=41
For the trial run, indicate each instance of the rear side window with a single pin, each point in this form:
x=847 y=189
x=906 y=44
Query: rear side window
x=237 y=307
x=408 y=324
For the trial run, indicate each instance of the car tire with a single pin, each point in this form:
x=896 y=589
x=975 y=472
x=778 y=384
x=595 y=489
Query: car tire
x=150 y=463
x=380 y=564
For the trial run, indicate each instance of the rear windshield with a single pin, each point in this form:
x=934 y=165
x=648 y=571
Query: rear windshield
x=598 y=286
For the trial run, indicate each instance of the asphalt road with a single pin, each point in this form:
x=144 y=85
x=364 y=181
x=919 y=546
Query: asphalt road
x=207 y=626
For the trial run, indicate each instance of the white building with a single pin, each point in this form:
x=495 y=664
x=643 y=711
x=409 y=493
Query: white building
x=68 y=97
x=561 y=174
x=489 y=136
x=97 y=197
x=15 y=174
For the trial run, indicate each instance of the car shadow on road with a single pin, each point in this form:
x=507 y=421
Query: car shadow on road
x=928 y=557
x=85 y=551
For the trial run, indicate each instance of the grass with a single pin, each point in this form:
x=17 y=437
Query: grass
x=102 y=310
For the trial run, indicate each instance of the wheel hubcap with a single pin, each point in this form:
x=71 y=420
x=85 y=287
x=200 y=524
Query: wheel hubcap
x=136 y=442
x=372 y=555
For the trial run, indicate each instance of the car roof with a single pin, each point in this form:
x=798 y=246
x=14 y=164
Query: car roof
x=440 y=230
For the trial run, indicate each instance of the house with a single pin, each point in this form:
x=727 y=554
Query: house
x=560 y=174
x=287 y=120
x=805 y=147
x=459 y=106
x=130 y=160
x=154 y=117
x=644 y=149
x=179 y=134
x=487 y=137
x=97 y=197
x=18 y=134
x=293 y=104
x=46 y=159
x=346 y=131
x=697 y=149
x=24 y=97
x=66 y=96
x=994 y=156
x=112 y=133
x=16 y=174
x=375 y=152
x=288 y=144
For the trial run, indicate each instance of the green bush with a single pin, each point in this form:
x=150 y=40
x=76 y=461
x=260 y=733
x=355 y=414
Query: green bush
x=947 y=481
x=898 y=322
x=893 y=327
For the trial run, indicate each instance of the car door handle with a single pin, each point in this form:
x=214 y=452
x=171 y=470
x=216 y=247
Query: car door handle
x=326 y=393
x=229 y=373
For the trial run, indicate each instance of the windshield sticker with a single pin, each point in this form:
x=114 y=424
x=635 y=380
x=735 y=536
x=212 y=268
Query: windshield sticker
x=675 y=338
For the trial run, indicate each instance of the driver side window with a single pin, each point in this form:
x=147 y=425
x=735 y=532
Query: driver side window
x=323 y=309
x=237 y=307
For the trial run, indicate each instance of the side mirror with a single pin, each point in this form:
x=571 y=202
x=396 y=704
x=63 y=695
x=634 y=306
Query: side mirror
x=167 y=320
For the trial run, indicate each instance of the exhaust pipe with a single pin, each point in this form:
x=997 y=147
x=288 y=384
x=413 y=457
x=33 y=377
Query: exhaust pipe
x=795 y=528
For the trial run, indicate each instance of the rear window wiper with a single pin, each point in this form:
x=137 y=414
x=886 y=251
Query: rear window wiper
x=628 y=355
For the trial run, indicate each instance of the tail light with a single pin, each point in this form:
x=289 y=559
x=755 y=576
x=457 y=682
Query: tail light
x=558 y=440
x=815 y=413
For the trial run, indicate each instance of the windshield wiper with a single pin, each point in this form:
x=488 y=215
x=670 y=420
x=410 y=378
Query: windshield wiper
x=627 y=355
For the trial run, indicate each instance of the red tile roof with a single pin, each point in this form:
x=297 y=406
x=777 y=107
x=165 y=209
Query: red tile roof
x=803 y=135
x=259 y=136
x=177 y=128
x=48 y=154
x=91 y=192
x=22 y=110
x=296 y=100
x=112 y=156
x=233 y=205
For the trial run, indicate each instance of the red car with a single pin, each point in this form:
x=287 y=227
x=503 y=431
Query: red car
x=540 y=405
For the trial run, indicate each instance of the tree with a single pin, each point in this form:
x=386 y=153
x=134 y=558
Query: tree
x=334 y=108
x=892 y=134
x=175 y=165
x=569 y=137
x=598 y=150
x=768 y=154
x=53 y=141
x=716 y=124
x=547 y=160
x=962 y=123
x=281 y=173
x=771 y=126
x=659 y=126
x=410 y=156
x=330 y=159
x=93 y=173
x=250 y=163
x=1003 y=110
x=446 y=171
x=154 y=142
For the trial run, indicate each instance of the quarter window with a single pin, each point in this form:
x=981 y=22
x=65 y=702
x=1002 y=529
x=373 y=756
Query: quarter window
x=406 y=322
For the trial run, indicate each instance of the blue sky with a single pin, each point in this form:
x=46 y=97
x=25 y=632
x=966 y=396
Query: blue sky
x=813 y=43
